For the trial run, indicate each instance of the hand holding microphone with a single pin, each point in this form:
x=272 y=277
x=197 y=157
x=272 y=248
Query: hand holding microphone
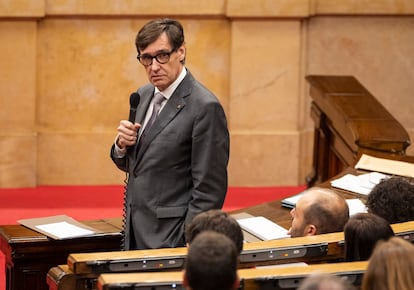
x=128 y=129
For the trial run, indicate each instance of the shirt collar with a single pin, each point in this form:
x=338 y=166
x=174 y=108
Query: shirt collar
x=167 y=93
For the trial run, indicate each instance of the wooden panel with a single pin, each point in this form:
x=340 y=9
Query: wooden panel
x=349 y=120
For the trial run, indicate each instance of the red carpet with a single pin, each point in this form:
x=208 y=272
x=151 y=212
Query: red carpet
x=95 y=202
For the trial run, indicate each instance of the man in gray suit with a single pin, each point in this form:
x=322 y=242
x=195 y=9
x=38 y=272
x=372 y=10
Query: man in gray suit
x=176 y=167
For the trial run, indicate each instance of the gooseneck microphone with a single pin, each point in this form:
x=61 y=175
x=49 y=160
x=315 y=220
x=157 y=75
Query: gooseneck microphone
x=133 y=104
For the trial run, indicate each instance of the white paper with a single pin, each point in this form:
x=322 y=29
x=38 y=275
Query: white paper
x=64 y=230
x=291 y=201
x=388 y=166
x=356 y=206
x=263 y=228
x=362 y=184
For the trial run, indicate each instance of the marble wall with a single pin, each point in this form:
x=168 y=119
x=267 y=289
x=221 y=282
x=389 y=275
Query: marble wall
x=67 y=68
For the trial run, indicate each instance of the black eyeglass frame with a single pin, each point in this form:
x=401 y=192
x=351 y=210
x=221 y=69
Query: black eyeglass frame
x=166 y=53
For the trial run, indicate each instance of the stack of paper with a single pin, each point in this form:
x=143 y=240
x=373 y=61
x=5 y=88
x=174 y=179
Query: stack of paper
x=388 y=166
x=362 y=184
x=263 y=228
x=59 y=227
x=355 y=205
x=290 y=202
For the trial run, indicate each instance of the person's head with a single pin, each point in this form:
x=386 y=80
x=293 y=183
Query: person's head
x=218 y=221
x=325 y=282
x=362 y=232
x=211 y=263
x=393 y=199
x=161 y=50
x=318 y=211
x=390 y=266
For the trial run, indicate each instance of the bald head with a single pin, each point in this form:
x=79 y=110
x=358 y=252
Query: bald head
x=319 y=211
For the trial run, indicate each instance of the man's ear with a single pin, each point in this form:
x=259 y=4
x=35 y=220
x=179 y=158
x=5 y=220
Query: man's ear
x=181 y=51
x=310 y=230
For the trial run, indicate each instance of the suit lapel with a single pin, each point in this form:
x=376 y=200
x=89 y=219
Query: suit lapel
x=173 y=107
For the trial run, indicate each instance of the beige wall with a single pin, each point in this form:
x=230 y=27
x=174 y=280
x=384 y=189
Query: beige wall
x=67 y=68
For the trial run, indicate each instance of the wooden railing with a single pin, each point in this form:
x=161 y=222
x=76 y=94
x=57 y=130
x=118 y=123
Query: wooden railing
x=349 y=121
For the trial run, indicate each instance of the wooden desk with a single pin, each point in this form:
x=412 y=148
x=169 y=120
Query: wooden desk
x=30 y=255
x=83 y=268
x=251 y=279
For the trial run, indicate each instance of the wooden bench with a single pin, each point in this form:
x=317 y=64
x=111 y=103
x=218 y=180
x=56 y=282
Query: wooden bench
x=251 y=279
x=83 y=269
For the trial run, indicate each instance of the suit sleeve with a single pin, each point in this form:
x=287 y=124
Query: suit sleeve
x=210 y=156
x=121 y=163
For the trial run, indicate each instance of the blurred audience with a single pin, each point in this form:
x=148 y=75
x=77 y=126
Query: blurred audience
x=211 y=263
x=393 y=199
x=325 y=282
x=362 y=232
x=318 y=211
x=218 y=221
x=391 y=266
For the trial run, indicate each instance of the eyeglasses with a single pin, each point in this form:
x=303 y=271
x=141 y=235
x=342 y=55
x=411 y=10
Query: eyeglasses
x=162 y=57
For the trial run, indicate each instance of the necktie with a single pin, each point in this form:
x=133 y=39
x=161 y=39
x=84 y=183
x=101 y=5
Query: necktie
x=158 y=98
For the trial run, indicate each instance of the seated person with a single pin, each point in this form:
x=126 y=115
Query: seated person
x=390 y=266
x=211 y=263
x=393 y=199
x=318 y=211
x=362 y=232
x=325 y=282
x=218 y=221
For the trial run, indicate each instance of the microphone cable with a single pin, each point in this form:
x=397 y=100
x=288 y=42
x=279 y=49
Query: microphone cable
x=134 y=100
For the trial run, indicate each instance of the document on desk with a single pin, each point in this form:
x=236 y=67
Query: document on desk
x=362 y=184
x=355 y=205
x=290 y=202
x=59 y=227
x=263 y=228
x=387 y=166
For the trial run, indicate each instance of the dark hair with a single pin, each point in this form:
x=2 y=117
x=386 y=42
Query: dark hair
x=153 y=29
x=329 y=212
x=362 y=232
x=393 y=199
x=211 y=262
x=218 y=221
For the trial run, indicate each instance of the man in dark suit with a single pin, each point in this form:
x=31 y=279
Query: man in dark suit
x=177 y=167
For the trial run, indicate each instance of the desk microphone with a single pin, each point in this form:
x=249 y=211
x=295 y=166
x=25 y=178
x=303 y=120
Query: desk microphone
x=133 y=104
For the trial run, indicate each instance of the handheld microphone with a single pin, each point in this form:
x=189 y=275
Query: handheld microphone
x=133 y=102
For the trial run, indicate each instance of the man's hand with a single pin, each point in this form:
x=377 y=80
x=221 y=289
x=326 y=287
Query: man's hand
x=127 y=134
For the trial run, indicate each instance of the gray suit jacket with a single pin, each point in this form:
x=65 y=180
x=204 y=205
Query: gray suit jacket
x=180 y=168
